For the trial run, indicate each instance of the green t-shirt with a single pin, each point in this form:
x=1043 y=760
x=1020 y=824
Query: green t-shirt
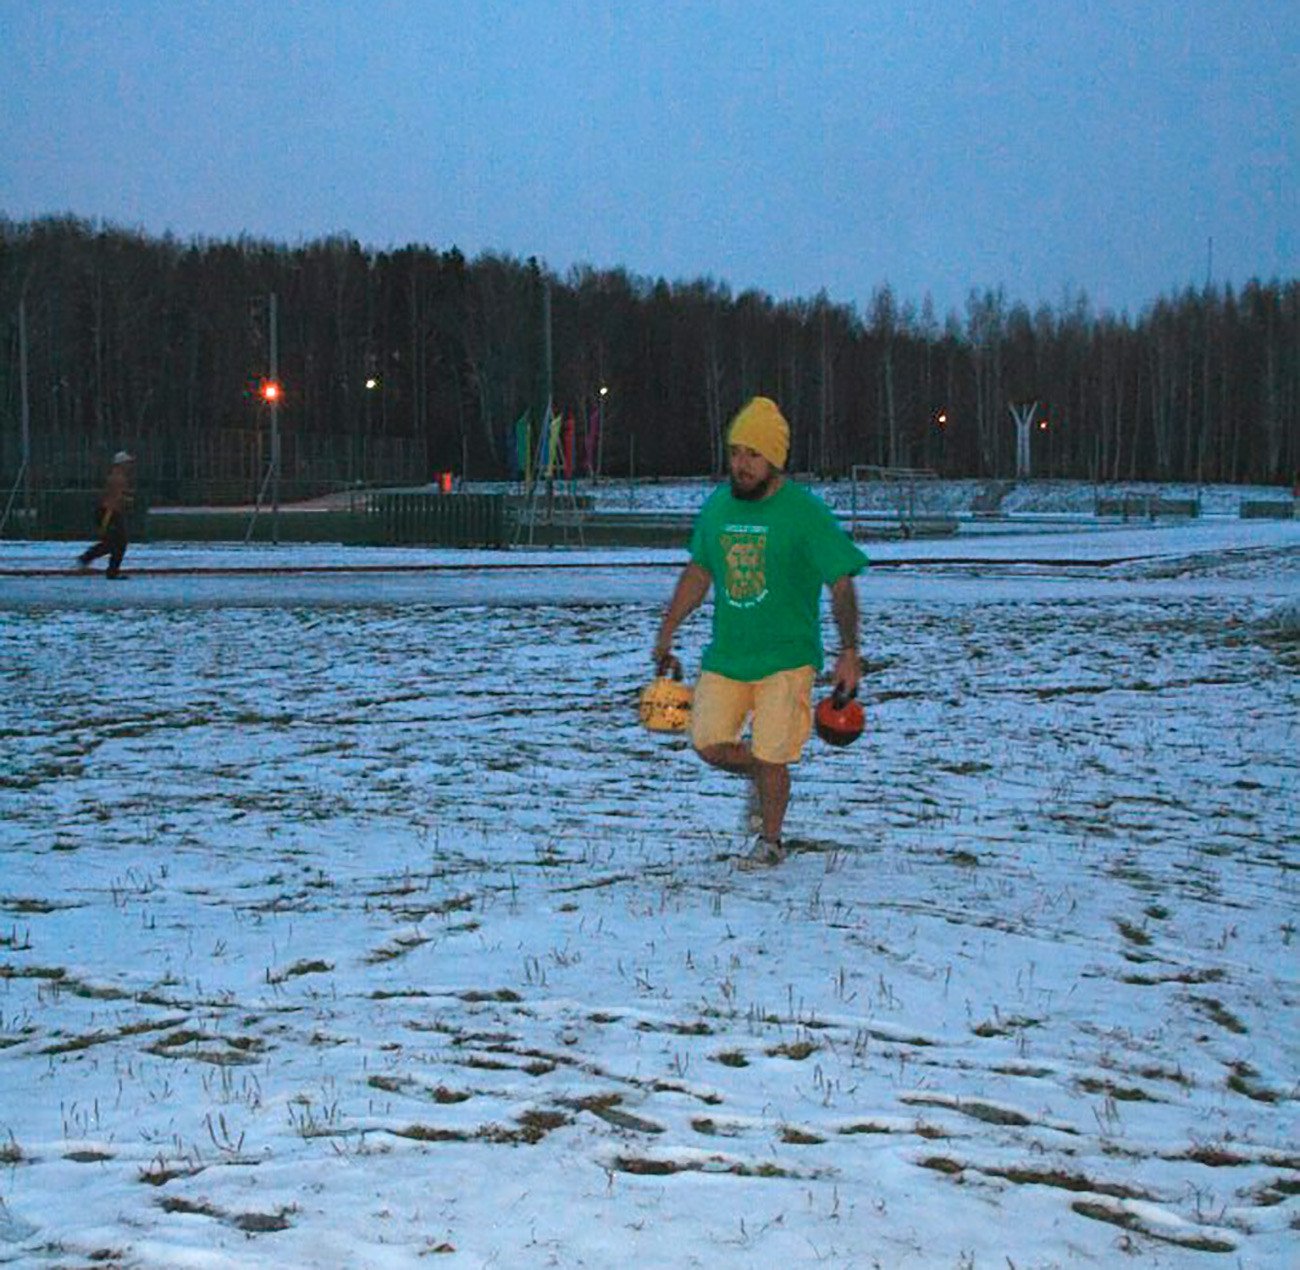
x=769 y=560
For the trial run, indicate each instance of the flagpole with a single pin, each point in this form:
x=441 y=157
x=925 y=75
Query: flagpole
x=546 y=355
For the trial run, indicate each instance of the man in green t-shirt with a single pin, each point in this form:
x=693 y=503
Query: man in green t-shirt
x=767 y=546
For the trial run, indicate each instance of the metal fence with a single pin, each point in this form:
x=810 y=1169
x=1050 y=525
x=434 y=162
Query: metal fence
x=445 y=520
x=1146 y=507
x=221 y=467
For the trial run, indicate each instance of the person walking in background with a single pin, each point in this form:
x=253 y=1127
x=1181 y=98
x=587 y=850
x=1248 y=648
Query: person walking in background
x=110 y=517
x=767 y=546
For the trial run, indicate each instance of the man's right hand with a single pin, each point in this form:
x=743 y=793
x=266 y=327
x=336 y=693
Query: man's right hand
x=848 y=671
x=692 y=586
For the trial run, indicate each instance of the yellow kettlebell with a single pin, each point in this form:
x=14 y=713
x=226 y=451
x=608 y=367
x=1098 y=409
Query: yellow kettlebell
x=666 y=702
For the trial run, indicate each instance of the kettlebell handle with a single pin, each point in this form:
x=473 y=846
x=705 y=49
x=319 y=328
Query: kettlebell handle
x=668 y=665
x=840 y=698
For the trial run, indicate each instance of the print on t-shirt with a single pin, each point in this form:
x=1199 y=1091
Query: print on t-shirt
x=744 y=547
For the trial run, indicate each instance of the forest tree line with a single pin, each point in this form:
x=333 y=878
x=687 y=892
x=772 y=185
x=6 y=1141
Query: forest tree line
x=398 y=364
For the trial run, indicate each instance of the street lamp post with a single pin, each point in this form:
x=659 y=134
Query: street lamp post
x=940 y=419
x=600 y=437
x=26 y=415
x=372 y=386
x=273 y=397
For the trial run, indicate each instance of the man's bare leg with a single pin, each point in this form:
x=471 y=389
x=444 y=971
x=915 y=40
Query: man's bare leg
x=772 y=780
x=731 y=756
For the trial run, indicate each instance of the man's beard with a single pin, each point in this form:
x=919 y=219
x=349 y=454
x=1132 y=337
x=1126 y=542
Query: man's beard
x=755 y=492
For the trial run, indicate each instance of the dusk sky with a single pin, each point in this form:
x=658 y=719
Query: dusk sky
x=1123 y=148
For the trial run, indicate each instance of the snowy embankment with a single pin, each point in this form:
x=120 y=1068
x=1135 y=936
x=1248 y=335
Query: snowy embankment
x=959 y=497
x=362 y=926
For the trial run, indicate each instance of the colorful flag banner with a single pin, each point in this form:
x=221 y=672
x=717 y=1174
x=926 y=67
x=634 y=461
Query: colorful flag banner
x=553 y=446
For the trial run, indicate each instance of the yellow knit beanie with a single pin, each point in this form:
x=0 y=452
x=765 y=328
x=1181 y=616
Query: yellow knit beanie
x=762 y=427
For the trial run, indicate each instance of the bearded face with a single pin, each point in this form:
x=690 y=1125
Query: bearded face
x=751 y=473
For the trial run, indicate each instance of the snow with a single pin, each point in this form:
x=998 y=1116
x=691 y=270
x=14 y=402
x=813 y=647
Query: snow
x=349 y=919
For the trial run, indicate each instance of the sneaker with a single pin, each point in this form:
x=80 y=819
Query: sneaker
x=82 y=565
x=762 y=853
x=116 y=577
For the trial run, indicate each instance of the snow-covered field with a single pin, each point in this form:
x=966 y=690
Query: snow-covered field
x=351 y=920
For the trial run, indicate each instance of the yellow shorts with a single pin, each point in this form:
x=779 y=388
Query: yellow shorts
x=781 y=706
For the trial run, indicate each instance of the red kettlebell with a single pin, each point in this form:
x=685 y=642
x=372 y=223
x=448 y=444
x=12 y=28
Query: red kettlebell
x=838 y=718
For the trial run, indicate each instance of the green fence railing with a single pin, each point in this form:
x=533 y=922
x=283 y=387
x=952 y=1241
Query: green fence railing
x=69 y=514
x=1273 y=509
x=415 y=519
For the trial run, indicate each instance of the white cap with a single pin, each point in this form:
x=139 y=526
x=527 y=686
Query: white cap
x=123 y=457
